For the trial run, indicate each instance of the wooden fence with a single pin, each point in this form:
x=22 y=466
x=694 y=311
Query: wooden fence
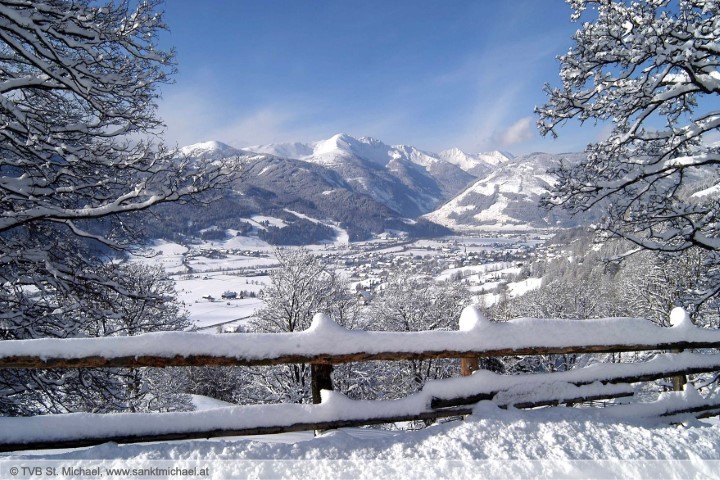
x=325 y=344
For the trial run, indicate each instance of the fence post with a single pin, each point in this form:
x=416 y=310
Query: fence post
x=321 y=373
x=321 y=379
x=679 y=318
x=679 y=381
x=468 y=365
x=470 y=319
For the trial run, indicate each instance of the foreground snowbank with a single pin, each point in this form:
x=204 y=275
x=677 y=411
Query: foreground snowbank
x=545 y=443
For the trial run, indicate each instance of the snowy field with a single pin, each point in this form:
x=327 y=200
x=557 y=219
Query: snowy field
x=202 y=295
x=204 y=271
x=201 y=278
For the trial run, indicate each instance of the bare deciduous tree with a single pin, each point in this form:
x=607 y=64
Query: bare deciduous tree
x=652 y=70
x=300 y=288
x=78 y=85
x=408 y=303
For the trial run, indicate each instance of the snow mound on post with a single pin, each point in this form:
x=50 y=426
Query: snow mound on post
x=322 y=323
x=679 y=318
x=472 y=318
x=690 y=393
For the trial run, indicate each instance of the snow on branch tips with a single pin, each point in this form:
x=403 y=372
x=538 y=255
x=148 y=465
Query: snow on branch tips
x=78 y=89
x=650 y=71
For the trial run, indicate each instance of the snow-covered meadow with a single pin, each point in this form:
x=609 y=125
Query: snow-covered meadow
x=203 y=272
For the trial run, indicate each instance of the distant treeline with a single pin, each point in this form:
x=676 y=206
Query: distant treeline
x=227 y=211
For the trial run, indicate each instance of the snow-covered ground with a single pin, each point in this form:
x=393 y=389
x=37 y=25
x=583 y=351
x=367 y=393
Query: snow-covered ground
x=491 y=443
x=202 y=295
x=497 y=267
x=342 y=237
x=164 y=254
x=204 y=271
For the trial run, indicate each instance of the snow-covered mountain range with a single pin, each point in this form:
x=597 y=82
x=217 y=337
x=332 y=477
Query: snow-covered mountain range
x=408 y=180
x=364 y=176
x=507 y=197
x=212 y=150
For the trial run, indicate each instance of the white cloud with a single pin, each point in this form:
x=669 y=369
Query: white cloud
x=194 y=115
x=521 y=131
x=266 y=125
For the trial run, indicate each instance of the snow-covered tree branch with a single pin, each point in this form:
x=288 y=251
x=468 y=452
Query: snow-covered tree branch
x=300 y=288
x=651 y=70
x=78 y=88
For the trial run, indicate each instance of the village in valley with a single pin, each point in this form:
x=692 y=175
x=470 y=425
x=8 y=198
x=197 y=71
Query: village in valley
x=219 y=282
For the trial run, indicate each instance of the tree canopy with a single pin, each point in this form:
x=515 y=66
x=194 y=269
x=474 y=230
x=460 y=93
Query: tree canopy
x=78 y=86
x=651 y=71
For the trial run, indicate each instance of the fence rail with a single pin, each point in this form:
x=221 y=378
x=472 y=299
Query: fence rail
x=326 y=343
x=40 y=362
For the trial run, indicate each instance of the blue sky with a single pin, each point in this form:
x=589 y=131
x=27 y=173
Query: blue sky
x=433 y=74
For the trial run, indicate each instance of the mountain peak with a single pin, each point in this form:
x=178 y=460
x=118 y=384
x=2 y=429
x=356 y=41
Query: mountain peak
x=477 y=164
x=343 y=145
x=210 y=150
x=496 y=157
x=339 y=141
x=370 y=141
x=297 y=150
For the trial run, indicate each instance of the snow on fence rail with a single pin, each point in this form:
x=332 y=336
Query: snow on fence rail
x=336 y=410
x=326 y=343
